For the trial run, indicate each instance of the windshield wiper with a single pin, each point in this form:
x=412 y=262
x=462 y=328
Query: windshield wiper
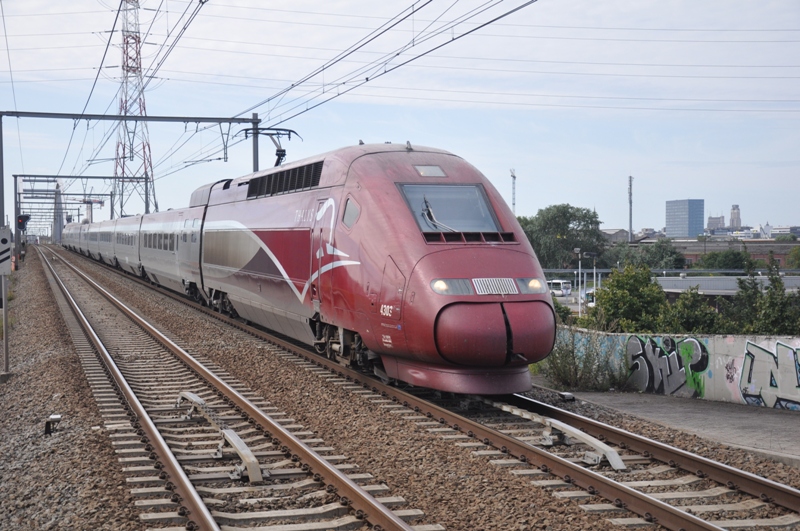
x=427 y=213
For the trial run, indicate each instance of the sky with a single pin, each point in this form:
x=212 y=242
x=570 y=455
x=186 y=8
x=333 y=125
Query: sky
x=694 y=100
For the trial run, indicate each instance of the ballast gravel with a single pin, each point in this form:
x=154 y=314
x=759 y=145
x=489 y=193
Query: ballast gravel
x=71 y=480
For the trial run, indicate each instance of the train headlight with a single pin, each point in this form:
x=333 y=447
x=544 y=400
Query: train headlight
x=452 y=286
x=532 y=285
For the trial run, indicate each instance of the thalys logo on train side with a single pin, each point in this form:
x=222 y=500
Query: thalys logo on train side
x=325 y=254
x=299 y=257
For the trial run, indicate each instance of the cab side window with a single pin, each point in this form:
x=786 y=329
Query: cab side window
x=351 y=212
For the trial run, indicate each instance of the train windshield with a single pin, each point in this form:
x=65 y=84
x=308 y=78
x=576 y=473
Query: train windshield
x=450 y=208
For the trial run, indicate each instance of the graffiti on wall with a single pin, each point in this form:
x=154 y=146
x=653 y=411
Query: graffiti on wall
x=669 y=368
x=768 y=378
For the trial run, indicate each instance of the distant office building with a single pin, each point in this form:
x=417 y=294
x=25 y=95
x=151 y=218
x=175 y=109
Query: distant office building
x=685 y=218
x=715 y=222
x=736 y=217
x=785 y=230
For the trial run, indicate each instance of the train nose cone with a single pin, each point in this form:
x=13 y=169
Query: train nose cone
x=495 y=334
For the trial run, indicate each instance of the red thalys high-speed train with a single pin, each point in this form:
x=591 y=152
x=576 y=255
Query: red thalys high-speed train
x=402 y=260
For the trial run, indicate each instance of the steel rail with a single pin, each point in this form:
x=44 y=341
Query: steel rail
x=651 y=509
x=192 y=504
x=362 y=503
x=734 y=478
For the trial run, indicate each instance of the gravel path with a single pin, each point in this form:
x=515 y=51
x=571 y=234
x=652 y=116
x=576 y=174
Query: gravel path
x=72 y=480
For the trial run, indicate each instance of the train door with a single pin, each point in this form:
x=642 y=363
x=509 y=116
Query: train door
x=184 y=247
x=189 y=252
x=321 y=257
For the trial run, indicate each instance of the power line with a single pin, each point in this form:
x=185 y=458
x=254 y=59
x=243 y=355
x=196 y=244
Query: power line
x=489 y=59
x=374 y=34
x=329 y=14
x=94 y=84
x=152 y=70
x=340 y=26
x=380 y=67
x=488 y=93
x=13 y=89
x=687 y=109
x=471 y=58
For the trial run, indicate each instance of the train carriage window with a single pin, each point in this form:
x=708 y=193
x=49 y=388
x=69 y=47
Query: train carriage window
x=351 y=212
x=171 y=242
x=160 y=244
x=450 y=208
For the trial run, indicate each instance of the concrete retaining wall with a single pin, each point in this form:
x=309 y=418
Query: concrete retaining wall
x=755 y=370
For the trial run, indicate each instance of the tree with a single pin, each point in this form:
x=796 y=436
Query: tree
x=689 y=314
x=741 y=313
x=764 y=310
x=729 y=259
x=620 y=254
x=793 y=259
x=555 y=231
x=563 y=313
x=786 y=238
x=631 y=299
x=778 y=311
x=660 y=255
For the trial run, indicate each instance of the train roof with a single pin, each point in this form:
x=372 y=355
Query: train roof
x=343 y=157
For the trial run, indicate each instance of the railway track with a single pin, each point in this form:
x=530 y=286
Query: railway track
x=199 y=450
x=580 y=459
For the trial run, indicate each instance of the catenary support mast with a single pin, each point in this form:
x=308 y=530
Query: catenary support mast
x=133 y=167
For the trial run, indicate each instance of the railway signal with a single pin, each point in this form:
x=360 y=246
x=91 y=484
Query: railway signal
x=22 y=221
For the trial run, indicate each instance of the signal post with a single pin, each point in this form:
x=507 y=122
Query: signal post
x=5 y=270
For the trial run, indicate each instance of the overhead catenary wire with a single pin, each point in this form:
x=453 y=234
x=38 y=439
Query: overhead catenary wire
x=154 y=67
x=403 y=15
x=408 y=94
x=381 y=30
x=13 y=88
x=151 y=70
x=373 y=69
x=297 y=88
x=415 y=41
x=94 y=84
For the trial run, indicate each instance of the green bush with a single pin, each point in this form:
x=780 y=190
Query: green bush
x=563 y=313
x=583 y=360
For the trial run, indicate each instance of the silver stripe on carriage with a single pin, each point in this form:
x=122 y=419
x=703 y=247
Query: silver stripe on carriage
x=495 y=286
